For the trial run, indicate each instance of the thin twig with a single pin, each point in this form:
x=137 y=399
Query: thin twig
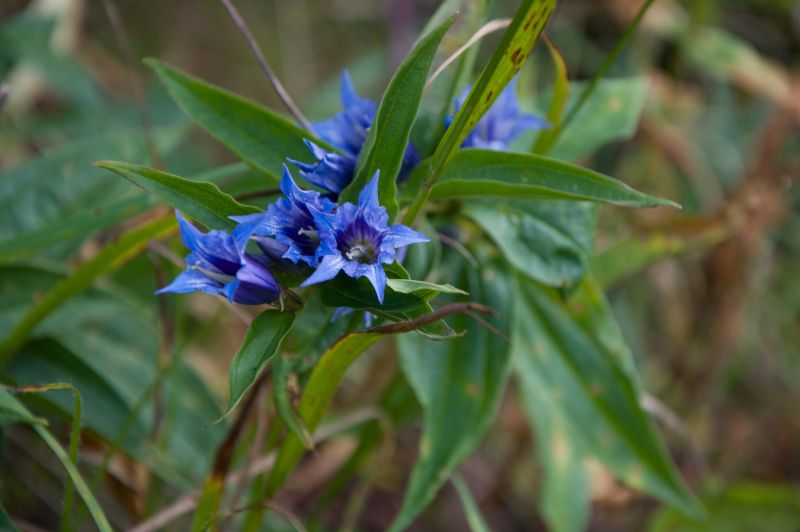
x=265 y=68
x=489 y=327
x=459 y=247
x=127 y=52
x=490 y=27
x=431 y=317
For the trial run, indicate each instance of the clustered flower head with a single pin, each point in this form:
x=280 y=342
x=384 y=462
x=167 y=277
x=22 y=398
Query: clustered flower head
x=307 y=230
x=302 y=227
x=346 y=131
x=501 y=124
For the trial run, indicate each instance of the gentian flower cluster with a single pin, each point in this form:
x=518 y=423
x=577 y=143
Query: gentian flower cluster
x=346 y=131
x=501 y=124
x=304 y=231
x=302 y=228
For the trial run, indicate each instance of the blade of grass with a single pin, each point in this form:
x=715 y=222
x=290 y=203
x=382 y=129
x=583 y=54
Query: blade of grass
x=74 y=442
x=601 y=72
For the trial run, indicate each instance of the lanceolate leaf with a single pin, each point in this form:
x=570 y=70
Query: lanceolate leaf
x=262 y=138
x=458 y=383
x=517 y=42
x=511 y=53
x=482 y=173
x=589 y=384
x=550 y=241
x=388 y=136
x=261 y=342
x=203 y=201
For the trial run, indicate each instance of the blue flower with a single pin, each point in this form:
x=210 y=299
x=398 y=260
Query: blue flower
x=215 y=266
x=332 y=171
x=501 y=124
x=346 y=131
x=357 y=240
x=287 y=229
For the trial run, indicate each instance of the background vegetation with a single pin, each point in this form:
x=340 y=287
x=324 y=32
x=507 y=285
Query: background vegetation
x=707 y=298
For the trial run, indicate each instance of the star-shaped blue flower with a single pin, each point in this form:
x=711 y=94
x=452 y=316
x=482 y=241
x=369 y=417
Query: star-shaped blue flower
x=215 y=266
x=287 y=229
x=501 y=124
x=346 y=131
x=356 y=239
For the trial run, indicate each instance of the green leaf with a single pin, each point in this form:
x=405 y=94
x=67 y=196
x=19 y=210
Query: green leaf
x=558 y=102
x=261 y=342
x=459 y=384
x=75 y=227
x=12 y=411
x=564 y=499
x=203 y=201
x=511 y=53
x=62 y=187
x=317 y=395
x=262 y=138
x=610 y=114
x=550 y=241
x=482 y=173
x=106 y=343
x=359 y=294
x=423 y=289
x=110 y=258
x=516 y=44
x=388 y=136
x=591 y=387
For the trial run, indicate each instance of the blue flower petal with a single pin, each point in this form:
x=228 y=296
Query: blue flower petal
x=368 y=197
x=328 y=268
x=192 y=281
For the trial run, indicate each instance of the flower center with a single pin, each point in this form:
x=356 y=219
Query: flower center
x=362 y=251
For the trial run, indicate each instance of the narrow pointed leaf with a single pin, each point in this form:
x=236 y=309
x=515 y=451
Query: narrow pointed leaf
x=390 y=131
x=459 y=384
x=261 y=342
x=262 y=138
x=481 y=173
x=203 y=201
x=589 y=382
x=510 y=55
